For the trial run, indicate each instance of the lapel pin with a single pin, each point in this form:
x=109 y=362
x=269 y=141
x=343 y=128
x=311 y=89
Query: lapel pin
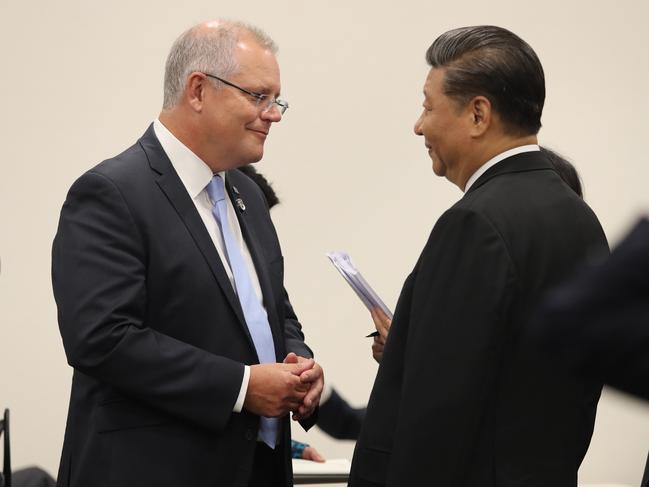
x=240 y=204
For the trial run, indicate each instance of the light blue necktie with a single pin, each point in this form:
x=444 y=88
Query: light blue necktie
x=253 y=311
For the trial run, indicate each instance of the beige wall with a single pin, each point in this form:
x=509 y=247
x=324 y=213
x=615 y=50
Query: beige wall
x=82 y=79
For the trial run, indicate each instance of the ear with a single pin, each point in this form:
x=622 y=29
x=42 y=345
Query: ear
x=194 y=89
x=481 y=115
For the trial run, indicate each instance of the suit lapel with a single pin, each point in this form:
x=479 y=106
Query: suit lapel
x=261 y=266
x=173 y=188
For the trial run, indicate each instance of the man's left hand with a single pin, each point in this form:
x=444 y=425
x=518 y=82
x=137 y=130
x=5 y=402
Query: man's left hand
x=314 y=378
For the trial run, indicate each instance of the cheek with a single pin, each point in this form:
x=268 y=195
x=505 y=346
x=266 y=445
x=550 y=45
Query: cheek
x=429 y=128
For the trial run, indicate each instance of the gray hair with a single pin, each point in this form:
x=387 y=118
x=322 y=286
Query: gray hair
x=208 y=50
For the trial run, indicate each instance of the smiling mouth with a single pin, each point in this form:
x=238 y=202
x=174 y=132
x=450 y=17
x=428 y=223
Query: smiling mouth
x=259 y=132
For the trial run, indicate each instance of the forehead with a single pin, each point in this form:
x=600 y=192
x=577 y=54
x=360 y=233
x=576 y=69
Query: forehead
x=257 y=64
x=434 y=82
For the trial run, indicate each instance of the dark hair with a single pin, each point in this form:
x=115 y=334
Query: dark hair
x=262 y=182
x=495 y=63
x=566 y=171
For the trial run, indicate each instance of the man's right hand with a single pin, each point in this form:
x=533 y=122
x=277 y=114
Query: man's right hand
x=382 y=324
x=276 y=389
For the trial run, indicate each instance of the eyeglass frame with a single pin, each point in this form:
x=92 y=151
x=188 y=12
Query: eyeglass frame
x=282 y=105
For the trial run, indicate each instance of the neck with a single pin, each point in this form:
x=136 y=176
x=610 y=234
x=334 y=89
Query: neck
x=488 y=150
x=182 y=127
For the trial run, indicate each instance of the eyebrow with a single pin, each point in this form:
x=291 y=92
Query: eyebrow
x=264 y=90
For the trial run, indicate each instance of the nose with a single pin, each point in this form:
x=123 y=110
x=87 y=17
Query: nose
x=417 y=127
x=273 y=114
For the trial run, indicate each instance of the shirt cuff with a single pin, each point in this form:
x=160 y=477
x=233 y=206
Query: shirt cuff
x=326 y=393
x=238 y=406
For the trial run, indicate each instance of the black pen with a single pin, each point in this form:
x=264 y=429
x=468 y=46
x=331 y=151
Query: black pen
x=373 y=334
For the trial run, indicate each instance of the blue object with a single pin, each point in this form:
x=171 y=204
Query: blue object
x=253 y=311
x=297 y=449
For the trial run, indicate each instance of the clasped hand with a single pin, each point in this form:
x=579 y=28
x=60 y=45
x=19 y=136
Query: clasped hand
x=276 y=389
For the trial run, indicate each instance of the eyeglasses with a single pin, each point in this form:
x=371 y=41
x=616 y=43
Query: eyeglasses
x=265 y=102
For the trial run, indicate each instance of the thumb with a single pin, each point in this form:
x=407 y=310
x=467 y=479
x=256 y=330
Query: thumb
x=291 y=358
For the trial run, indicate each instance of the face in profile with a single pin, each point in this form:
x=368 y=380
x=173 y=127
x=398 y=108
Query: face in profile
x=442 y=123
x=237 y=123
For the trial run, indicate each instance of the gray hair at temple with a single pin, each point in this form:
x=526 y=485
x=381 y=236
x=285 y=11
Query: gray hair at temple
x=497 y=64
x=208 y=50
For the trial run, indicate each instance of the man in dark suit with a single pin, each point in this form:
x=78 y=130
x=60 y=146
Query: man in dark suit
x=168 y=276
x=598 y=321
x=460 y=399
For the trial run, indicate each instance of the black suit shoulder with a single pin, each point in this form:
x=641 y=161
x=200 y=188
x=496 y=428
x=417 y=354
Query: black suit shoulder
x=459 y=326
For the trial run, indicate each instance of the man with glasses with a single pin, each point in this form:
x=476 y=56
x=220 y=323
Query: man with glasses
x=168 y=278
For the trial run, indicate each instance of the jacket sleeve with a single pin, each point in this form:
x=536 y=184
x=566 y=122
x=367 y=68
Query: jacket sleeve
x=293 y=332
x=99 y=280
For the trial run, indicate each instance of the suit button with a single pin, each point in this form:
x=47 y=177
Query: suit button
x=250 y=435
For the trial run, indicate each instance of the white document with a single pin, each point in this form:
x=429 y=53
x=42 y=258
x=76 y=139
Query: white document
x=339 y=466
x=343 y=262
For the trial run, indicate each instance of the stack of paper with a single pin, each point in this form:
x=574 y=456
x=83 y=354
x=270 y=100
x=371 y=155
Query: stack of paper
x=343 y=262
x=329 y=472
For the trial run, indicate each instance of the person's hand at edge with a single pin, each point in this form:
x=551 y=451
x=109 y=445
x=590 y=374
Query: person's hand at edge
x=382 y=324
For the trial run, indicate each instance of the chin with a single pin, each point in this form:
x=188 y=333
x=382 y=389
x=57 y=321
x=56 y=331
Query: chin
x=439 y=169
x=255 y=156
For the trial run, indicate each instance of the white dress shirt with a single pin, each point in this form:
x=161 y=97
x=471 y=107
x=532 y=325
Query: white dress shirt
x=495 y=160
x=195 y=176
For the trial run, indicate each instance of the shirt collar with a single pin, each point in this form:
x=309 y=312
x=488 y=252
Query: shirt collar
x=495 y=160
x=192 y=171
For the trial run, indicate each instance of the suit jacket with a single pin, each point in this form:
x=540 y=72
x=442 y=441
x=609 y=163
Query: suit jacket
x=598 y=322
x=154 y=331
x=460 y=398
x=339 y=419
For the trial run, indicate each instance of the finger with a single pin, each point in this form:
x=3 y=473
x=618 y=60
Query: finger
x=312 y=374
x=313 y=395
x=294 y=405
x=308 y=377
x=381 y=322
x=380 y=327
x=304 y=412
x=298 y=368
x=380 y=314
x=297 y=395
x=312 y=454
x=375 y=318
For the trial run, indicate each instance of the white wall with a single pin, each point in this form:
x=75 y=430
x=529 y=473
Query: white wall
x=81 y=80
